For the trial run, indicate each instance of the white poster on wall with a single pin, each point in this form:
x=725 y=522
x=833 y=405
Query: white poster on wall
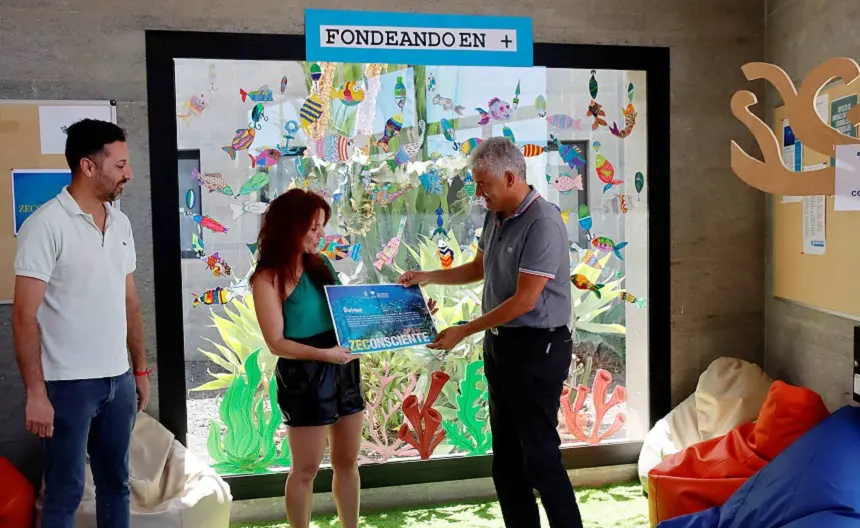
x=847 y=178
x=53 y=121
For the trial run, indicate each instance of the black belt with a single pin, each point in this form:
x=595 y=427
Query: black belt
x=522 y=330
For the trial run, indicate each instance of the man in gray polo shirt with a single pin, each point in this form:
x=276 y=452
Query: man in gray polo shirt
x=524 y=259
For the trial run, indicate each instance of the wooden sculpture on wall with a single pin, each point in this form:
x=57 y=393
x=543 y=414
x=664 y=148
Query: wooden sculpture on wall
x=772 y=175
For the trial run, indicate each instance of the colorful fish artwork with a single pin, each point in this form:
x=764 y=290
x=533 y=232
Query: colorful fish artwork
x=581 y=282
x=630 y=91
x=592 y=85
x=629 y=122
x=639 y=182
x=629 y=297
x=446 y=254
x=448 y=104
x=283 y=84
x=531 y=150
x=194 y=106
x=497 y=110
x=332 y=148
x=209 y=223
x=439 y=231
x=260 y=95
x=400 y=93
x=217 y=265
x=540 y=105
x=408 y=151
x=258 y=113
x=607 y=244
x=590 y=258
x=387 y=254
x=596 y=111
x=315 y=72
x=570 y=154
x=254 y=183
x=431 y=181
x=190 y=199
x=516 y=96
x=241 y=141
x=605 y=170
x=449 y=132
x=266 y=158
x=565 y=184
x=392 y=128
x=217 y=296
x=585 y=222
x=431 y=83
x=248 y=206
x=350 y=94
x=469 y=186
x=311 y=111
x=337 y=247
x=197 y=244
x=383 y=196
x=470 y=144
x=564 y=122
x=618 y=204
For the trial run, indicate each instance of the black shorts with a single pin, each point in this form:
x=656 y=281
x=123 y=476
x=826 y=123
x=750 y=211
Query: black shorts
x=314 y=393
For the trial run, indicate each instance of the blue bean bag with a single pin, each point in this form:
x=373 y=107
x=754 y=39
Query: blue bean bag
x=814 y=483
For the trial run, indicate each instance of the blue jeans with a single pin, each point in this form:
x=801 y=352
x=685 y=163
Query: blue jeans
x=94 y=416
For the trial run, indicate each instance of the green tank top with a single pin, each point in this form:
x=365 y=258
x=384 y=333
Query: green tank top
x=306 y=310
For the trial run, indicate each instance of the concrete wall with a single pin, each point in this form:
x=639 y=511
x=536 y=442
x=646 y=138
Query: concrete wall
x=75 y=49
x=804 y=346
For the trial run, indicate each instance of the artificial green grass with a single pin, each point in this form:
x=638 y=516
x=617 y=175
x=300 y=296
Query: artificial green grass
x=619 y=506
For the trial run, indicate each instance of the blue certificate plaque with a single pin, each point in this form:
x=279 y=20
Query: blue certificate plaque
x=380 y=317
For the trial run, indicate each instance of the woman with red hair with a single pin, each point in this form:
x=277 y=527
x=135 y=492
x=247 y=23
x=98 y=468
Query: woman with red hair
x=319 y=382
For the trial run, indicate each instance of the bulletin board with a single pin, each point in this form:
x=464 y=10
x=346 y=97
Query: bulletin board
x=830 y=281
x=31 y=135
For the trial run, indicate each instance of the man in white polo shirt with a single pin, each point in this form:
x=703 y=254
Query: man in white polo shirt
x=76 y=310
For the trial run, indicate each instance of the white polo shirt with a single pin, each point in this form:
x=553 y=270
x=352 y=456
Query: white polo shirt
x=82 y=318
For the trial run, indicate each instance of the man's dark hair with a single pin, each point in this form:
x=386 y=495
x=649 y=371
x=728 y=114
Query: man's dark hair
x=87 y=138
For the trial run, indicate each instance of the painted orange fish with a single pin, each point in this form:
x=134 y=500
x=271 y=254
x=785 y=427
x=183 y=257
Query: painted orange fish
x=217 y=296
x=596 y=111
x=582 y=282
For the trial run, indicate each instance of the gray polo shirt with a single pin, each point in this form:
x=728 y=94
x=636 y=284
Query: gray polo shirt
x=532 y=240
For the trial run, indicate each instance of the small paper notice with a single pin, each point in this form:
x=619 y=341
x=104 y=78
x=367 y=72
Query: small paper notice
x=847 y=178
x=822 y=106
x=814 y=209
x=791 y=155
x=53 y=121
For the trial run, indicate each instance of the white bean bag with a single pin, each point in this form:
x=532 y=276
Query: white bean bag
x=170 y=486
x=730 y=392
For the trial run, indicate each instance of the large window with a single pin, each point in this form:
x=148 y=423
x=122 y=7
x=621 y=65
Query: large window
x=384 y=143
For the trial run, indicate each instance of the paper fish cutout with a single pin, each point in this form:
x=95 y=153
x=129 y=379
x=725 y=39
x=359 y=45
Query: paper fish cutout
x=530 y=150
x=217 y=265
x=448 y=131
x=467 y=146
x=392 y=128
x=440 y=231
x=628 y=297
x=283 y=84
x=630 y=92
x=385 y=197
x=508 y=133
x=605 y=170
x=564 y=184
x=473 y=247
x=266 y=158
x=570 y=154
x=592 y=259
x=332 y=148
x=209 y=223
x=431 y=181
x=241 y=141
x=596 y=111
x=563 y=122
x=448 y=105
x=592 y=85
x=196 y=244
x=582 y=282
x=310 y=111
x=431 y=83
x=190 y=199
x=254 y=183
x=248 y=207
x=194 y=106
x=446 y=254
x=584 y=216
x=217 y=296
x=350 y=94
x=607 y=244
x=261 y=95
x=258 y=113
x=214 y=181
x=315 y=71
x=400 y=93
x=337 y=247
x=469 y=186
x=407 y=151
x=639 y=182
x=618 y=204
x=517 y=96
x=386 y=256
x=629 y=122
x=498 y=110
x=540 y=105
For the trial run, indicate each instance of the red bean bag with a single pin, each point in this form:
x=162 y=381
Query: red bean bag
x=706 y=474
x=17 y=497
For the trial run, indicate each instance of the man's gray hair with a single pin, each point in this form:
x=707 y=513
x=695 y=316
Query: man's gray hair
x=497 y=156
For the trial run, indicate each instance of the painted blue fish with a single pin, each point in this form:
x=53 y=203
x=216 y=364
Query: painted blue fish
x=439 y=223
x=431 y=182
x=570 y=154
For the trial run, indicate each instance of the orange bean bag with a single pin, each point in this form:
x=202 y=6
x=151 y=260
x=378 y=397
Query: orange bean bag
x=706 y=474
x=17 y=497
